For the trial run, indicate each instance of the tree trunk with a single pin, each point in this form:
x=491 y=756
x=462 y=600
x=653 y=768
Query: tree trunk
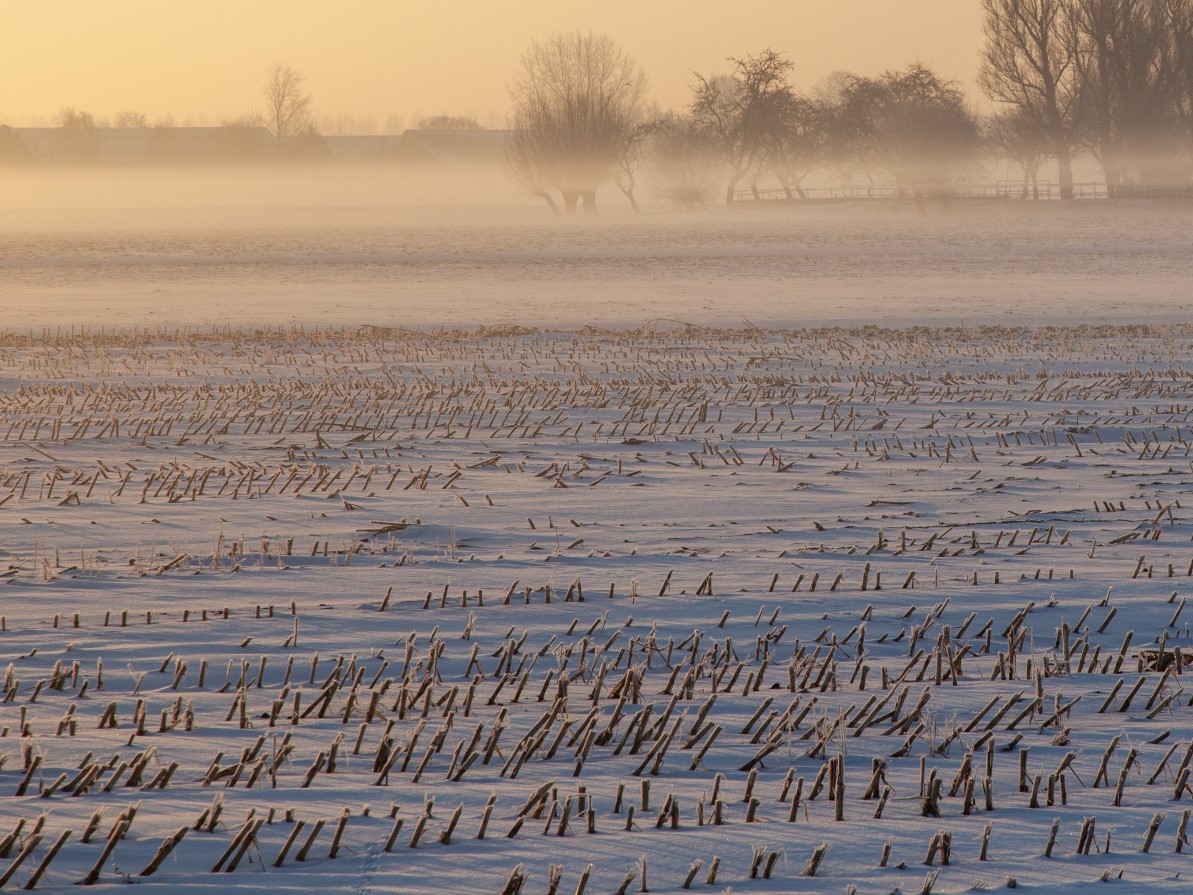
x=569 y=203
x=1064 y=164
x=626 y=185
x=1113 y=172
x=589 y=198
x=550 y=200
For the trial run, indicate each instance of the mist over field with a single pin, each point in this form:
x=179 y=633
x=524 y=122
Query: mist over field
x=375 y=244
x=138 y=194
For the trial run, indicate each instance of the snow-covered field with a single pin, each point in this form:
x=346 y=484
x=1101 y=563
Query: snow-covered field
x=410 y=267
x=326 y=550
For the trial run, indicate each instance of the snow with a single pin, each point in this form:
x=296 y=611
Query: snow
x=291 y=453
x=459 y=267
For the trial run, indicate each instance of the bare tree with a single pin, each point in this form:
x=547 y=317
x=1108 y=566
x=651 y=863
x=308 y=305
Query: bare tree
x=288 y=103
x=683 y=162
x=1131 y=89
x=799 y=142
x=1179 y=14
x=1030 y=63
x=70 y=118
x=576 y=100
x=626 y=174
x=80 y=140
x=533 y=165
x=131 y=119
x=912 y=124
x=744 y=111
x=1023 y=139
x=449 y=123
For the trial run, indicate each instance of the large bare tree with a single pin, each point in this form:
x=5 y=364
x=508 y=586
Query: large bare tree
x=745 y=112
x=913 y=124
x=1030 y=63
x=1021 y=138
x=799 y=143
x=683 y=161
x=1132 y=86
x=576 y=102
x=289 y=104
x=1179 y=14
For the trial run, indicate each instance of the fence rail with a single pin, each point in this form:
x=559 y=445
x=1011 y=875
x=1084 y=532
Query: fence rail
x=1003 y=189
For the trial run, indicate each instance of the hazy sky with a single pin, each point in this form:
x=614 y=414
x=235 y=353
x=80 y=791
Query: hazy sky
x=423 y=57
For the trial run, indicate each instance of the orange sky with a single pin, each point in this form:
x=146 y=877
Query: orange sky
x=207 y=58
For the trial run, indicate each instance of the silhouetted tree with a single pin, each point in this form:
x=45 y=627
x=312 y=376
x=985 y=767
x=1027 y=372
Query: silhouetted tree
x=287 y=102
x=576 y=99
x=131 y=119
x=1180 y=23
x=1030 y=63
x=829 y=90
x=1023 y=139
x=533 y=165
x=75 y=119
x=799 y=143
x=1179 y=15
x=1132 y=86
x=80 y=140
x=745 y=112
x=1115 y=76
x=449 y=123
x=683 y=162
x=626 y=173
x=911 y=123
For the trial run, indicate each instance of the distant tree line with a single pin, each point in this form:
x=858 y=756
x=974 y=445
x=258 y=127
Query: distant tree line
x=1107 y=79
x=285 y=129
x=1111 y=78
x=580 y=120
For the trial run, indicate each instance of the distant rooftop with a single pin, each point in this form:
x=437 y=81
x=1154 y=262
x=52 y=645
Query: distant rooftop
x=125 y=145
x=446 y=146
x=140 y=144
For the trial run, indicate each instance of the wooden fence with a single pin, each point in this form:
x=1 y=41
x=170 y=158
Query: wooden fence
x=1002 y=189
